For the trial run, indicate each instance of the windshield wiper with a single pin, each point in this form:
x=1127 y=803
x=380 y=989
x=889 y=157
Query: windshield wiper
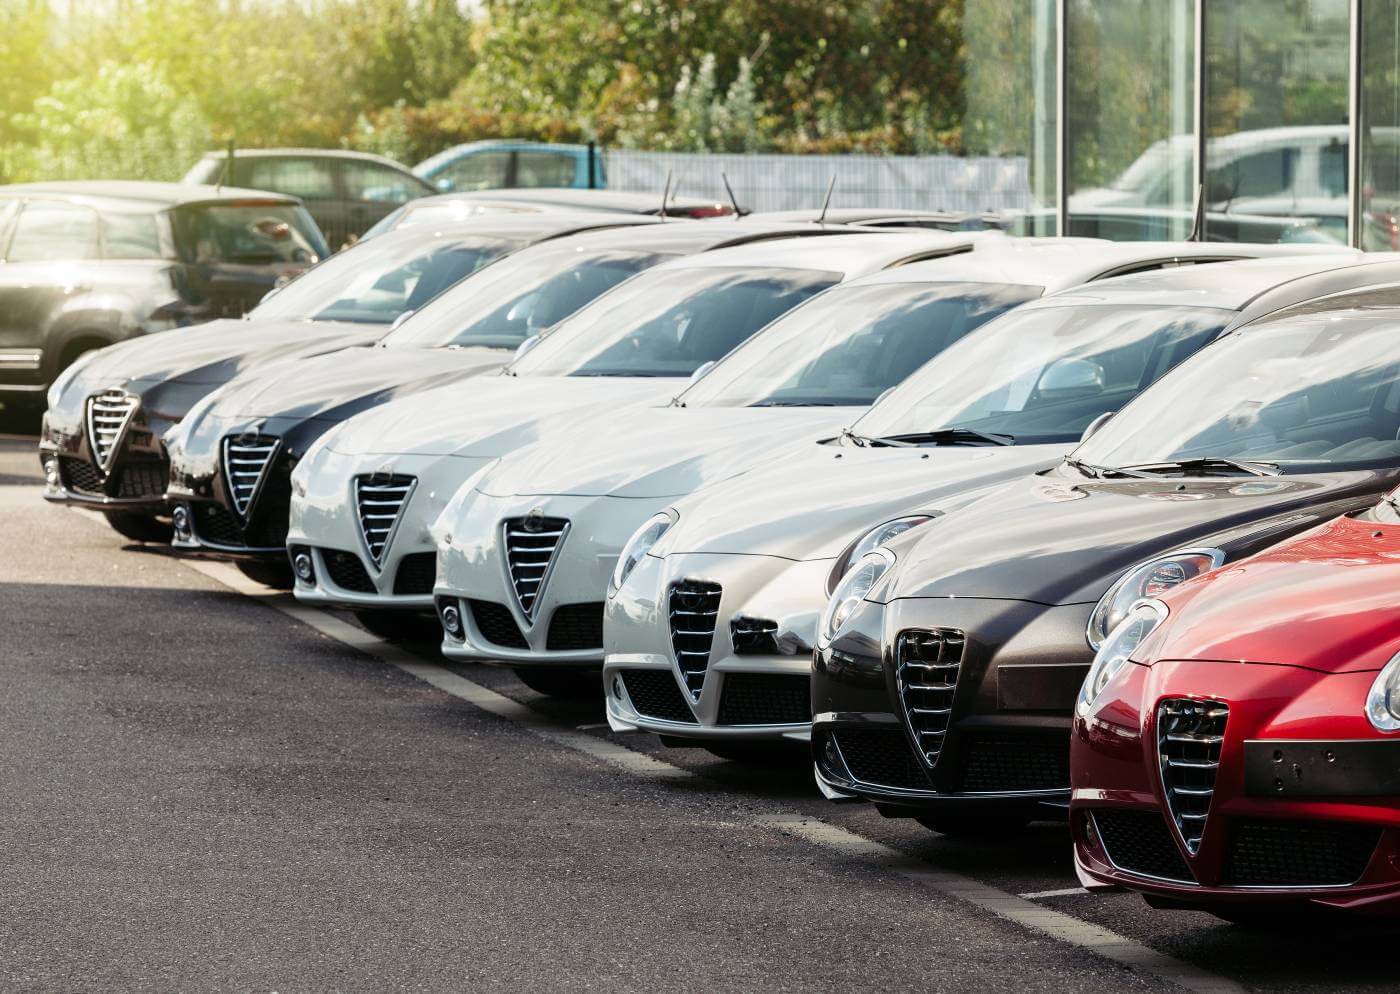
x=1104 y=472
x=948 y=436
x=1204 y=464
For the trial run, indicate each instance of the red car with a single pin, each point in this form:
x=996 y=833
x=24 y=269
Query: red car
x=1236 y=744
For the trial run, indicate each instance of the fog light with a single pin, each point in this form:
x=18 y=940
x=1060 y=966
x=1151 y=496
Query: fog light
x=181 y=519
x=51 y=472
x=452 y=621
x=301 y=566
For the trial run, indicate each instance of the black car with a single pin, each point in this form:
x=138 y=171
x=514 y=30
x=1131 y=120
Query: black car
x=471 y=330
x=89 y=264
x=346 y=192
x=100 y=442
x=945 y=692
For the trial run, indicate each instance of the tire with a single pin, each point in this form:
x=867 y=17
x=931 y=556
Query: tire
x=140 y=527
x=561 y=681
x=401 y=626
x=269 y=574
x=968 y=824
x=762 y=752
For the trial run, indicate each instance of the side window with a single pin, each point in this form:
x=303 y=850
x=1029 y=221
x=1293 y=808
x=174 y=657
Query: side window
x=544 y=169
x=483 y=171
x=310 y=179
x=377 y=184
x=131 y=236
x=1263 y=174
x=1332 y=170
x=49 y=231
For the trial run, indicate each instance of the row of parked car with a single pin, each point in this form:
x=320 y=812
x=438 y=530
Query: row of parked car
x=1001 y=526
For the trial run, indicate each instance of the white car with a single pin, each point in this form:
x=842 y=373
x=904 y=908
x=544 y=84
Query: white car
x=363 y=498
x=718 y=599
x=534 y=600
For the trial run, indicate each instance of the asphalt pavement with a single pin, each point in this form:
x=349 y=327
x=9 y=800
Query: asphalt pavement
x=207 y=787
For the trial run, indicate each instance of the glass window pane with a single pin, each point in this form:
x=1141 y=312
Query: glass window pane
x=131 y=236
x=310 y=179
x=377 y=184
x=544 y=169
x=51 y=231
x=484 y=171
x=1130 y=118
x=1380 y=126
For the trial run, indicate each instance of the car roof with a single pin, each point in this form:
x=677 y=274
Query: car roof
x=140 y=193
x=680 y=235
x=852 y=254
x=865 y=215
x=537 y=227
x=306 y=153
x=1372 y=302
x=601 y=200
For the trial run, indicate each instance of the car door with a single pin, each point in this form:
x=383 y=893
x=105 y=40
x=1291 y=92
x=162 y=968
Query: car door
x=372 y=190
x=313 y=179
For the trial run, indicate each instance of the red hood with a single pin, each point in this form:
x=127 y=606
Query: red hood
x=1325 y=600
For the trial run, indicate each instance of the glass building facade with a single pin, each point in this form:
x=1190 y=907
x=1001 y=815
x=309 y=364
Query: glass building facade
x=1261 y=120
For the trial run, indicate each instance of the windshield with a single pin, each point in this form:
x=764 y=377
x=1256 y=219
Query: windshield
x=1042 y=375
x=520 y=297
x=849 y=345
x=670 y=322
x=1322 y=390
x=376 y=282
x=247 y=233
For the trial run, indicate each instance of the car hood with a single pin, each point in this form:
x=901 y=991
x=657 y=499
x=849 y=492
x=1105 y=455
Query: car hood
x=1056 y=538
x=1324 y=600
x=812 y=503
x=491 y=416
x=661 y=452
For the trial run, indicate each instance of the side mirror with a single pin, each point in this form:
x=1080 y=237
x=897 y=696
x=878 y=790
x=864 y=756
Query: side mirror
x=701 y=370
x=401 y=319
x=1068 y=378
x=445 y=184
x=526 y=346
x=1096 y=424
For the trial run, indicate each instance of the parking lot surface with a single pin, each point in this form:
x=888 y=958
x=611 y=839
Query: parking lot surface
x=207 y=787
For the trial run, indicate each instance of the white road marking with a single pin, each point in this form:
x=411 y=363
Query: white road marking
x=1020 y=910
x=1036 y=895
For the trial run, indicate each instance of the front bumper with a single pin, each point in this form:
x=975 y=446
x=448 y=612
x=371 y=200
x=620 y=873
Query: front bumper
x=1001 y=736
x=134 y=479
x=564 y=623
x=755 y=680
x=1303 y=809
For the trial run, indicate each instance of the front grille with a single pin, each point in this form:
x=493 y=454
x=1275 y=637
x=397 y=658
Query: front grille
x=108 y=414
x=995 y=763
x=379 y=500
x=1189 y=736
x=347 y=572
x=80 y=477
x=765 y=699
x=654 y=694
x=753 y=636
x=1140 y=842
x=215 y=525
x=143 y=478
x=881 y=759
x=1299 y=854
x=497 y=625
x=530 y=544
x=926 y=671
x=246 y=459
x=694 y=608
x=576 y=626
x=417 y=574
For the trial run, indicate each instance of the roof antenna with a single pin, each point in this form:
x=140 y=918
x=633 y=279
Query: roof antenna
x=666 y=194
x=1198 y=216
x=827 y=202
x=738 y=215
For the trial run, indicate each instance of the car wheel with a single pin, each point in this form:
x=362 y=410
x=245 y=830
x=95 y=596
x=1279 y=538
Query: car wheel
x=561 y=681
x=762 y=753
x=401 y=626
x=964 y=824
x=140 y=527
x=275 y=575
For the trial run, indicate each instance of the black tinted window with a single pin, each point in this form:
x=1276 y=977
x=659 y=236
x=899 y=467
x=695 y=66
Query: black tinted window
x=378 y=184
x=310 y=179
x=54 y=231
x=247 y=233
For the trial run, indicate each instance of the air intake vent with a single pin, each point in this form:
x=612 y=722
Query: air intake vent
x=246 y=459
x=379 y=500
x=108 y=414
x=694 y=607
x=1189 y=736
x=530 y=544
x=926 y=670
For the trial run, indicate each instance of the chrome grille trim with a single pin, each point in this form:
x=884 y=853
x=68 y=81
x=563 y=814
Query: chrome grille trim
x=245 y=468
x=531 y=544
x=693 y=611
x=379 y=503
x=109 y=414
x=1189 y=736
x=927 y=663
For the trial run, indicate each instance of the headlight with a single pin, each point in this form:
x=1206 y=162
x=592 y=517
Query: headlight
x=1125 y=639
x=872 y=540
x=641 y=542
x=1149 y=579
x=1383 y=702
x=854 y=587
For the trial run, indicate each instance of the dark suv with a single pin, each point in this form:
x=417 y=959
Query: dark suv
x=90 y=264
x=346 y=192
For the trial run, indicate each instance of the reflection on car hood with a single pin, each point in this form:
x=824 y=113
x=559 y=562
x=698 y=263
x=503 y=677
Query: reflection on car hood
x=1324 y=600
x=1058 y=539
x=493 y=415
x=659 y=452
x=812 y=503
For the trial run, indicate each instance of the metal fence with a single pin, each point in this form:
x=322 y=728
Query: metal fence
x=786 y=182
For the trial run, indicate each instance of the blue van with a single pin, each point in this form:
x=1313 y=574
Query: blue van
x=495 y=165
